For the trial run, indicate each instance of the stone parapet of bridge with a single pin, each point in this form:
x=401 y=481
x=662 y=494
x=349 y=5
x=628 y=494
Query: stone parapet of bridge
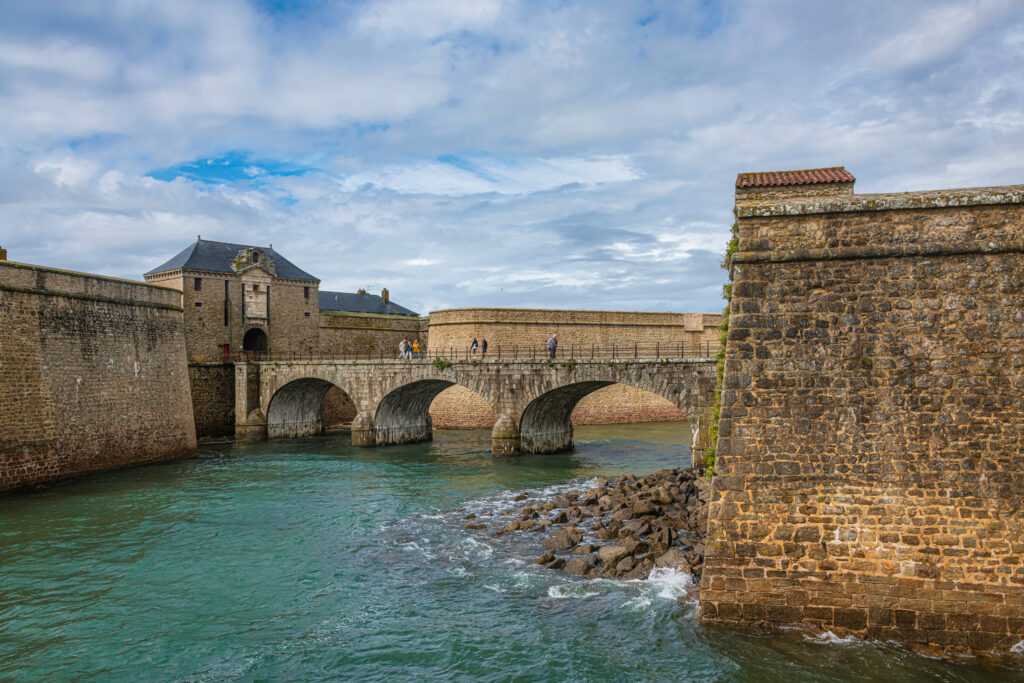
x=532 y=400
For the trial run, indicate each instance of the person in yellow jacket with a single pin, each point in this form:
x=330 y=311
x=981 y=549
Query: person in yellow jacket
x=416 y=348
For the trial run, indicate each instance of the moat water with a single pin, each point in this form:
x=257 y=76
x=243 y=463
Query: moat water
x=311 y=560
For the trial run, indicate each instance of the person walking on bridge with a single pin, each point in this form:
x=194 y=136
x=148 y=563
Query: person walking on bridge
x=483 y=349
x=403 y=348
x=416 y=349
x=552 y=345
x=473 y=347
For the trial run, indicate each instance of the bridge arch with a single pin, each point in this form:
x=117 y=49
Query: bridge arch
x=296 y=409
x=403 y=415
x=546 y=425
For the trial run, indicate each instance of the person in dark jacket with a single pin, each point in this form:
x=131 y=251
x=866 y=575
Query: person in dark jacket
x=552 y=346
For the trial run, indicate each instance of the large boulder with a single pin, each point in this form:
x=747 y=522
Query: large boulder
x=563 y=540
x=611 y=554
x=580 y=566
x=673 y=559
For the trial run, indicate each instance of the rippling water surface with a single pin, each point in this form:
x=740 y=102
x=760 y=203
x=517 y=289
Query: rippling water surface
x=309 y=560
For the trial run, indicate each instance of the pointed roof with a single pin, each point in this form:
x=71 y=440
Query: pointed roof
x=810 y=176
x=360 y=303
x=216 y=257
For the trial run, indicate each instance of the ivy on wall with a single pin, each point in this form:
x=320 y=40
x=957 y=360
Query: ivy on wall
x=709 y=455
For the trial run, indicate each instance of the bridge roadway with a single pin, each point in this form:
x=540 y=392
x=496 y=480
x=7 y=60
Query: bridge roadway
x=532 y=400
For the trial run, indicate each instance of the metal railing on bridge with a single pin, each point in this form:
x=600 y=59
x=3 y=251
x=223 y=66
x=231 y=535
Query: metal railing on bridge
x=568 y=351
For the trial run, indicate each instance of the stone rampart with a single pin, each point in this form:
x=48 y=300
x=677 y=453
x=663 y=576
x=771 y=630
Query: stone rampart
x=213 y=398
x=92 y=375
x=354 y=333
x=870 y=460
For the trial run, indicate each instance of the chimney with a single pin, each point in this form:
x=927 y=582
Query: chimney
x=3 y=254
x=385 y=295
x=812 y=182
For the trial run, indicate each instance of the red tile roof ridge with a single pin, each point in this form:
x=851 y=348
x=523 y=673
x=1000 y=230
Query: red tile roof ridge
x=808 y=176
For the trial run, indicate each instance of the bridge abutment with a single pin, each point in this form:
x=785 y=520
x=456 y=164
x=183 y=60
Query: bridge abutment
x=505 y=437
x=363 y=433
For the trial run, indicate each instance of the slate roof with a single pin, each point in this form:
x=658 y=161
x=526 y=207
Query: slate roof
x=360 y=303
x=810 y=176
x=216 y=257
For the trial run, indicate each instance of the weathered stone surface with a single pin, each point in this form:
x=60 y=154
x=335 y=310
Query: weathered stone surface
x=579 y=566
x=869 y=459
x=611 y=554
x=93 y=375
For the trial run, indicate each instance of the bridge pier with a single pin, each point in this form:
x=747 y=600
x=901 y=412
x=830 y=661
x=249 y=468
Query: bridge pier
x=363 y=434
x=505 y=438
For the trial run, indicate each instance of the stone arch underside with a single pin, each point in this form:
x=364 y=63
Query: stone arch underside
x=546 y=425
x=296 y=409
x=403 y=416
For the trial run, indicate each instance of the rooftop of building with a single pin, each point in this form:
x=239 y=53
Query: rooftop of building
x=809 y=176
x=216 y=257
x=361 y=303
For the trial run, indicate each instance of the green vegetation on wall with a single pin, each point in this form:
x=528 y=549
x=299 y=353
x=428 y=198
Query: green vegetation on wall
x=716 y=411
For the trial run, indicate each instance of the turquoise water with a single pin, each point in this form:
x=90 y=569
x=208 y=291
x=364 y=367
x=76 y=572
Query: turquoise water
x=309 y=560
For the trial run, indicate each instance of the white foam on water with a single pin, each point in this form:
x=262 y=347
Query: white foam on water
x=496 y=589
x=458 y=571
x=571 y=591
x=670 y=583
x=638 y=603
x=413 y=545
x=1018 y=649
x=829 y=638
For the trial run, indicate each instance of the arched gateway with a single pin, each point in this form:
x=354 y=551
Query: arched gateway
x=532 y=400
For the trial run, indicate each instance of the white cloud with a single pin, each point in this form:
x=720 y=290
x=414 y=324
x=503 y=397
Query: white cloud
x=483 y=153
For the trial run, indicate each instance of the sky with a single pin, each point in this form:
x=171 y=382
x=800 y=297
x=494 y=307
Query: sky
x=558 y=154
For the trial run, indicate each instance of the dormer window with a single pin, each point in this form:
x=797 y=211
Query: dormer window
x=255 y=257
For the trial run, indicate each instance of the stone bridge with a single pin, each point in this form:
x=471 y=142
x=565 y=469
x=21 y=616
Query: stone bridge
x=532 y=400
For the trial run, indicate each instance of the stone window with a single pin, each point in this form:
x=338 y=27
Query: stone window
x=307 y=314
x=305 y=292
x=255 y=288
x=198 y=284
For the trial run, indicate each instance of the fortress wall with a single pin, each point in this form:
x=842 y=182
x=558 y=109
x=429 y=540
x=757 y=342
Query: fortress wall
x=213 y=398
x=92 y=375
x=528 y=328
x=456 y=408
x=347 y=333
x=870 y=462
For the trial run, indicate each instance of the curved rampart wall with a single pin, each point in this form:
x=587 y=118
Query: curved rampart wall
x=522 y=328
x=93 y=375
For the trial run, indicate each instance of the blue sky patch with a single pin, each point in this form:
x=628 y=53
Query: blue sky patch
x=233 y=168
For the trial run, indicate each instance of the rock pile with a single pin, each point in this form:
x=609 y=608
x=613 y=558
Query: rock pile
x=622 y=528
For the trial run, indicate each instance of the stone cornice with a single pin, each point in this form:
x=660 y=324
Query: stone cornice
x=935 y=199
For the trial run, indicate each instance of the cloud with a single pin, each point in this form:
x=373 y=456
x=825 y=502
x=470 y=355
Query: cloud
x=571 y=154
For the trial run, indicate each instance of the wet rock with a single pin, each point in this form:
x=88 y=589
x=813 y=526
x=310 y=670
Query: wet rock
x=560 y=518
x=556 y=563
x=563 y=540
x=625 y=565
x=545 y=558
x=471 y=515
x=660 y=495
x=579 y=566
x=635 y=574
x=476 y=526
x=585 y=549
x=610 y=555
x=521 y=496
x=674 y=559
x=644 y=507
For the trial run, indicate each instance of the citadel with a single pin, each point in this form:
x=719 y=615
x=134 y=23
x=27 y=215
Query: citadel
x=868 y=462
